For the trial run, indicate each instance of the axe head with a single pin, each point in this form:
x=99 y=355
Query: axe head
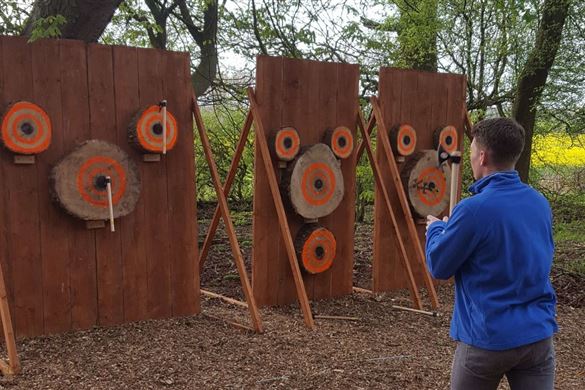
x=442 y=155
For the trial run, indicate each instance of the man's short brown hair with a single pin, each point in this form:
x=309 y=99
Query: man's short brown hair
x=502 y=137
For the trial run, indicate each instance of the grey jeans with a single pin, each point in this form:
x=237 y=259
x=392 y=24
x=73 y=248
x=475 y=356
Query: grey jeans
x=530 y=366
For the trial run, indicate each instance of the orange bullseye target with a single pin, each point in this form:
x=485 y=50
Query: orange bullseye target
x=314 y=182
x=316 y=248
x=403 y=139
x=340 y=140
x=80 y=181
x=146 y=130
x=426 y=183
x=447 y=137
x=285 y=143
x=26 y=128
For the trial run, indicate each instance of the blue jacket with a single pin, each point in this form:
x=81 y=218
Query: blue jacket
x=498 y=244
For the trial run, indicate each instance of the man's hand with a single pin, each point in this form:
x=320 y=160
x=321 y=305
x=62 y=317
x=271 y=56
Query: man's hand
x=431 y=219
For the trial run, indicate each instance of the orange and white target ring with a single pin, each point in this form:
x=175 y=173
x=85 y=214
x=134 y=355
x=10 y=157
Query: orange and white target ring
x=149 y=130
x=405 y=140
x=448 y=139
x=287 y=143
x=318 y=251
x=341 y=142
x=26 y=128
x=79 y=181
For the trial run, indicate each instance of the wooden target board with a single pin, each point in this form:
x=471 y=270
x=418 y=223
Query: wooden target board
x=312 y=97
x=59 y=274
x=425 y=101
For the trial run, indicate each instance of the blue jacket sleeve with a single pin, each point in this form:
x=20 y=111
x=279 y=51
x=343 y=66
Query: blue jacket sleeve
x=450 y=244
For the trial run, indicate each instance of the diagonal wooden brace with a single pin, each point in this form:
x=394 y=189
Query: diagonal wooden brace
x=223 y=206
x=367 y=143
x=420 y=256
x=226 y=189
x=12 y=366
x=283 y=222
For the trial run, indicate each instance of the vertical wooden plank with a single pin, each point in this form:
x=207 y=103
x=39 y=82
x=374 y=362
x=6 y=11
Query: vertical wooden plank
x=82 y=257
x=131 y=229
x=343 y=217
x=102 y=114
x=297 y=112
x=182 y=209
x=5 y=161
x=55 y=229
x=266 y=237
x=24 y=246
x=325 y=97
x=387 y=264
x=151 y=63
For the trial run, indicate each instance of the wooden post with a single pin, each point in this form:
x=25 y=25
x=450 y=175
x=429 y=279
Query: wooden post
x=362 y=145
x=283 y=222
x=383 y=135
x=380 y=183
x=226 y=189
x=237 y=253
x=13 y=365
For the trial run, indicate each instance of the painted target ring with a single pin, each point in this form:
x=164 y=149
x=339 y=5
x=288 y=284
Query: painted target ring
x=316 y=248
x=314 y=182
x=146 y=130
x=403 y=139
x=285 y=144
x=79 y=181
x=26 y=128
x=427 y=184
x=340 y=140
x=447 y=137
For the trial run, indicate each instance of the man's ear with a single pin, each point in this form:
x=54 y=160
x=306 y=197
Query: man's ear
x=483 y=157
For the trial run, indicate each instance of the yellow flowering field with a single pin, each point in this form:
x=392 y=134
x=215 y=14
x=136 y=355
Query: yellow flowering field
x=558 y=149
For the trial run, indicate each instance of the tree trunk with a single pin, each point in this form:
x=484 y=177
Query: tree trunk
x=86 y=19
x=535 y=72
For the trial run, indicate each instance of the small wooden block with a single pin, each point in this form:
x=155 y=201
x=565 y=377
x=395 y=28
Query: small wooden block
x=310 y=220
x=282 y=164
x=23 y=159
x=152 y=157
x=95 y=224
x=420 y=221
x=400 y=159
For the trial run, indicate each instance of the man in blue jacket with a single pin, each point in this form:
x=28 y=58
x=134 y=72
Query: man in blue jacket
x=498 y=245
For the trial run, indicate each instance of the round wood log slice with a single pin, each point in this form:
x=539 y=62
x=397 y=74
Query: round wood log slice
x=403 y=139
x=314 y=182
x=26 y=128
x=447 y=137
x=285 y=144
x=426 y=184
x=146 y=132
x=340 y=140
x=315 y=247
x=79 y=181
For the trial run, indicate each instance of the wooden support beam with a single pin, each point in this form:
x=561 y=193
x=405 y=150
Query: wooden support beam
x=11 y=367
x=362 y=290
x=361 y=147
x=428 y=313
x=226 y=189
x=231 y=231
x=224 y=298
x=283 y=222
x=385 y=143
x=382 y=187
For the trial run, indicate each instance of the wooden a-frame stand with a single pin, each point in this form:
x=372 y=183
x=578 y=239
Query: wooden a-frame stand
x=12 y=366
x=376 y=120
x=253 y=117
x=222 y=208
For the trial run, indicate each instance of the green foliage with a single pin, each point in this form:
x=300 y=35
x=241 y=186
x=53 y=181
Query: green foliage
x=49 y=27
